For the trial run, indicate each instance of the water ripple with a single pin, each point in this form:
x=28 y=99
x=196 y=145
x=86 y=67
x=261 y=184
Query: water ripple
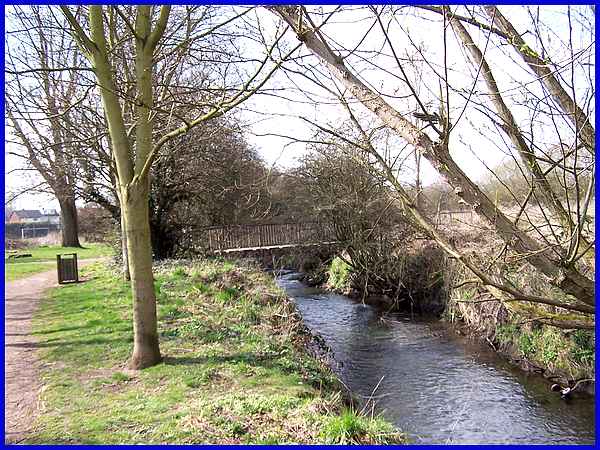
x=439 y=390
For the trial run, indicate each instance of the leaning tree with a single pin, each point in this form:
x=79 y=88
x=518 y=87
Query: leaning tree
x=44 y=88
x=459 y=105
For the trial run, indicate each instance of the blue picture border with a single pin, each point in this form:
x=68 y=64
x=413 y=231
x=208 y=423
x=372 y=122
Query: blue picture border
x=218 y=2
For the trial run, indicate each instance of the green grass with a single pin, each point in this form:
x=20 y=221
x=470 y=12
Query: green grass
x=49 y=252
x=351 y=427
x=583 y=349
x=43 y=258
x=235 y=368
x=18 y=271
x=569 y=353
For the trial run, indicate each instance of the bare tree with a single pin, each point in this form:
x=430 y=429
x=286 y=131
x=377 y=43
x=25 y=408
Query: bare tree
x=39 y=103
x=543 y=67
x=554 y=257
x=548 y=197
x=209 y=176
x=158 y=38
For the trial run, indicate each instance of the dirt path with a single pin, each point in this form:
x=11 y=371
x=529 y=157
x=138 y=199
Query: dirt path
x=21 y=366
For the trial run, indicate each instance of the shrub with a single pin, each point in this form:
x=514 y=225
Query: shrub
x=339 y=274
x=584 y=348
x=526 y=344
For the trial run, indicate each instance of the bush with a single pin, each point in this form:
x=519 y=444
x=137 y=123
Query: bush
x=525 y=342
x=339 y=274
x=584 y=348
x=96 y=224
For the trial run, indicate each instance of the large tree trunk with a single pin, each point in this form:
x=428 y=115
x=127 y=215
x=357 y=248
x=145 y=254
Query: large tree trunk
x=69 y=223
x=146 y=351
x=545 y=74
x=548 y=198
x=133 y=178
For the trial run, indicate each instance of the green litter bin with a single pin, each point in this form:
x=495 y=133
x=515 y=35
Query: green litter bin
x=66 y=266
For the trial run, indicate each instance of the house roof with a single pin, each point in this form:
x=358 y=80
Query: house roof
x=28 y=213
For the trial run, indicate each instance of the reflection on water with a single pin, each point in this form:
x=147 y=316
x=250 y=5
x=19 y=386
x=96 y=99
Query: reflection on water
x=436 y=388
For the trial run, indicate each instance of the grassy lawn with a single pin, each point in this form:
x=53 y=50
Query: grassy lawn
x=235 y=369
x=17 y=271
x=44 y=258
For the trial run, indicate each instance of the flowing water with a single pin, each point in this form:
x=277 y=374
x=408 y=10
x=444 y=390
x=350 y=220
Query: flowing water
x=436 y=387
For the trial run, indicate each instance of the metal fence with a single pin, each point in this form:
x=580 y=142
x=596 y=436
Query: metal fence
x=29 y=230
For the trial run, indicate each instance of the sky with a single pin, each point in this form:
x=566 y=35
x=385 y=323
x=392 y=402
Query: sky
x=348 y=32
x=269 y=116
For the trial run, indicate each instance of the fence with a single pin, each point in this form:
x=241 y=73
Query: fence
x=457 y=216
x=265 y=235
x=29 y=230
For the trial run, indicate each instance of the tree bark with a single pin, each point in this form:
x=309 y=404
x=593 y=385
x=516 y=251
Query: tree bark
x=146 y=350
x=69 y=223
x=124 y=252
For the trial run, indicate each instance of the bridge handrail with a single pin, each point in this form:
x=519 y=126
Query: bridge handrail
x=263 y=235
x=239 y=225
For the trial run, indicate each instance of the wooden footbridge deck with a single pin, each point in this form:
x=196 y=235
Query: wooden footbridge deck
x=238 y=238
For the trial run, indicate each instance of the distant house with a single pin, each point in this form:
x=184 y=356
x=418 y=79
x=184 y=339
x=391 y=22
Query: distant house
x=34 y=216
x=25 y=216
x=50 y=216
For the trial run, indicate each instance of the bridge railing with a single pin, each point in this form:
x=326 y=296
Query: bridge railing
x=265 y=235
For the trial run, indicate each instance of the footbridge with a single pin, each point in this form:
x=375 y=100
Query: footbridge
x=252 y=237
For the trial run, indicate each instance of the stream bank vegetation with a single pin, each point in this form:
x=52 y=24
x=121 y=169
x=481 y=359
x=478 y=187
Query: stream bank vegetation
x=522 y=241
x=385 y=260
x=236 y=367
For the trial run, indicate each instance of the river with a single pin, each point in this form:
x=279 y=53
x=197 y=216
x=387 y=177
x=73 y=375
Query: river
x=435 y=386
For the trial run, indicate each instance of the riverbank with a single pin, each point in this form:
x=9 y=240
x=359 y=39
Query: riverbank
x=438 y=387
x=565 y=356
x=236 y=368
x=435 y=285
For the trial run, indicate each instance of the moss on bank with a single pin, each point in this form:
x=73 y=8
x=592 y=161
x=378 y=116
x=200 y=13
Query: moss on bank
x=570 y=354
x=235 y=369
x=563 y=354
x=338 y=275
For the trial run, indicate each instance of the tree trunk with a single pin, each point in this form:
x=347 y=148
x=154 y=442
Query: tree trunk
x=133 y=178
x=124 y=255
x=146 y=351
x=69 y=224
x=545 y=74
x=548 y=198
